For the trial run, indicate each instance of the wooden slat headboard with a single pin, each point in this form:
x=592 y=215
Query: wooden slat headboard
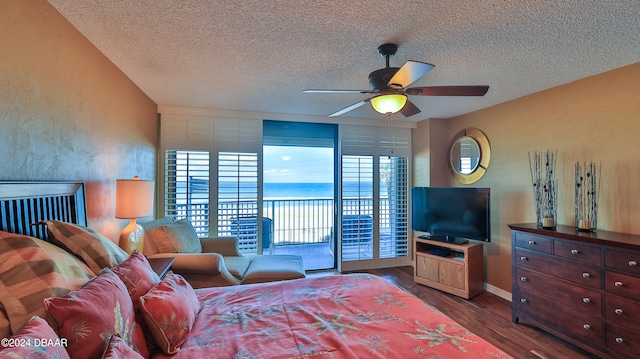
x=24 y=203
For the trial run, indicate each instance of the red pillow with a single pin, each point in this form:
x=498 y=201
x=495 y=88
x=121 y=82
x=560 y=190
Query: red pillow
x=117 y=349
x=136 y=273
x=36 y=339
x=169 y=310
x=90 y=315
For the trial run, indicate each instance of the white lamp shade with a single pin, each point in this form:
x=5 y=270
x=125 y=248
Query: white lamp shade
x=386 y=104
x=134 y=198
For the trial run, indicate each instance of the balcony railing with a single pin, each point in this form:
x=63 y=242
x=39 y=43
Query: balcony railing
x=285 y=221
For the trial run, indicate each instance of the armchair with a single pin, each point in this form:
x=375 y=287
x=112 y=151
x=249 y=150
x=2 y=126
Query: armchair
x=211 y=262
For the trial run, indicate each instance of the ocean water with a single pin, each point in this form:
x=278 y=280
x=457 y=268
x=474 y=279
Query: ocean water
x=312 y=190
x=286 y=190
x=297 y=190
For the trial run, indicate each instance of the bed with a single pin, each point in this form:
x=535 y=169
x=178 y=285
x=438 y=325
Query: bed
x=340 y=316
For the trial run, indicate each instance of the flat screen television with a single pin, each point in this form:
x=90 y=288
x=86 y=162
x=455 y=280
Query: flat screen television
x=451 y=214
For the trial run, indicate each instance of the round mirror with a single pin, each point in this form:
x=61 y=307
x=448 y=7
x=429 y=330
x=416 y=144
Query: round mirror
x=465 y=155
x=469 y=155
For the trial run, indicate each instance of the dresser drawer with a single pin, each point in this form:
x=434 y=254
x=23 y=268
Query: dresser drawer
x=578 y=252
x=560 y=316
x=534 y=242
x=555 y=266
x=586 y=300
x=622 y=284
x=622 y=340
x=626 y=261
x=622 y=311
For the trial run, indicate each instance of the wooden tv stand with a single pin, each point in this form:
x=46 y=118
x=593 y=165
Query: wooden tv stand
x=459 y=272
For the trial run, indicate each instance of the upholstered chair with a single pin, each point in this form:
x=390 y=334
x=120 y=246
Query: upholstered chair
x=210 y=262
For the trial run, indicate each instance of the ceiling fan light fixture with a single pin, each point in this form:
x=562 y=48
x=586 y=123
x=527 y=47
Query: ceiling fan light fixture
x=388 y=104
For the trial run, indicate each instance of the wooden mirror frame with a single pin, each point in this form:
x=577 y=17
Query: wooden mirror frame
x=483 y=161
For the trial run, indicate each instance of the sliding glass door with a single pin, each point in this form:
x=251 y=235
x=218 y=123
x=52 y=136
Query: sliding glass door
x=299 y=191
x=336 y=195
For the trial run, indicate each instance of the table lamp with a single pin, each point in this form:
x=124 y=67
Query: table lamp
x=134 y=199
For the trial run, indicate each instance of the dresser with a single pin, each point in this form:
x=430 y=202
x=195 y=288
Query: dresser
x=583 y=287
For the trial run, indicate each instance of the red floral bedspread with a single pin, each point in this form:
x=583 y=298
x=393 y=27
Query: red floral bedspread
x=342 y=316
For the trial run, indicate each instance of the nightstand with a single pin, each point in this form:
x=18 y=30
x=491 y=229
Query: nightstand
x=161 y=265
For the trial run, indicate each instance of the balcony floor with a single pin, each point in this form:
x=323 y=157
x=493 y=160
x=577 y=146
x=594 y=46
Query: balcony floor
x=314 y=256
x=318 y=256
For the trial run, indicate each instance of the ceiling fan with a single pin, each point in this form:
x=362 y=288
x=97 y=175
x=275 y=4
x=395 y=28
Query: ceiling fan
x=389 y=85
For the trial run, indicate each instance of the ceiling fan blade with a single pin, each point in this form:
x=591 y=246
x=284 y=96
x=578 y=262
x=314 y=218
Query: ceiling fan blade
x=409 y=73
x=350 y=108
x=336 y=91
x=409 y=109
x=448 y=91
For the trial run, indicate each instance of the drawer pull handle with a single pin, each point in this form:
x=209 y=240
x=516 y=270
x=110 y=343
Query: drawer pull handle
x=575 y=251
x=617 y=284
x=586 y=326
x=523 y=279
x=586 y=300
x=532 y=243
x=619 y=340
x=523 y=300
x=633 y=263
x=618 y=311
x=586 y=275
x=523 y=258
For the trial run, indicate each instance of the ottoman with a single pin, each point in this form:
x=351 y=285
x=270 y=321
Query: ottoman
x=269 y=268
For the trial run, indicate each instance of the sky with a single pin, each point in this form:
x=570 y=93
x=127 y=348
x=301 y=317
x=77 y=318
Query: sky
x=289 y=164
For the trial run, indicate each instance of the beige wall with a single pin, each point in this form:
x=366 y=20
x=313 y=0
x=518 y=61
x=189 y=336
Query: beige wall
x=594 y=119
x=67 y=113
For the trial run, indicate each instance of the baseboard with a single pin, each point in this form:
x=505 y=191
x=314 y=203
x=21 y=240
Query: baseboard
x=497 y=291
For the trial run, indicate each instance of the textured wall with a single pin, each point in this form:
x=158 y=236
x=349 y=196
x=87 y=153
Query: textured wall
x=67 y=113
x=594 y=119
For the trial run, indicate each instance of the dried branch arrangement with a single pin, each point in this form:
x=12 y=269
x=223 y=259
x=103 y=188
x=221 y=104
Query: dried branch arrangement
x=587 y=192
x=545 y=187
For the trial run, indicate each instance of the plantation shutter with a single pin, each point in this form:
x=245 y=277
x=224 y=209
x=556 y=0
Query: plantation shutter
x=395 y=152
x=186 y=132
x=238 y=205
x=357 y=207
x=185 y=144
x=394 y=207
x=375 y=200
x=238 y=145
x=204 y=154
x=186 y=187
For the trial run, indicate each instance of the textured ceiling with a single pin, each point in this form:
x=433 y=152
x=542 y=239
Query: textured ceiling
x=259 y=55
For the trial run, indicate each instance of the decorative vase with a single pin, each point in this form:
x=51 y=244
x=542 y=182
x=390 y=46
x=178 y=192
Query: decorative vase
x=587 y=192
x=545 y=187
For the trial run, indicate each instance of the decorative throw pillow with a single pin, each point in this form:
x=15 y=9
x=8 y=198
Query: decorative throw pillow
x=176 y=237
x=90 y=315
x=35 y=340
x=136 y=273
x=32 y=270
x=170 y=309
x=117 y=349
x=96 y=250
x=149 y=246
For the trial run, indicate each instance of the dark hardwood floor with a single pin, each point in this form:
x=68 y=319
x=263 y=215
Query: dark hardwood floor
x=489 y=317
